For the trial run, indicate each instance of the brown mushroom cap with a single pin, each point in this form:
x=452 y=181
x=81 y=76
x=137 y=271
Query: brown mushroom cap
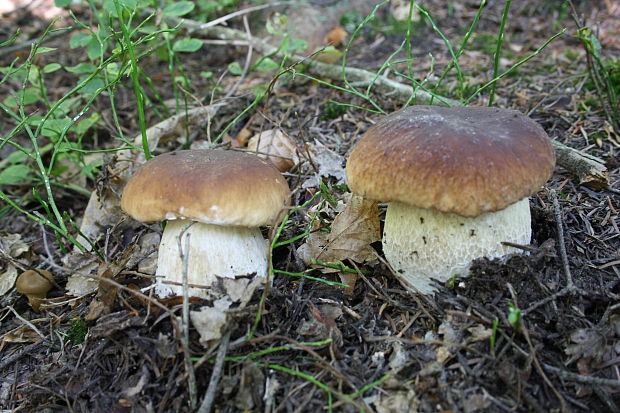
x=34 y=282
x=209 y=186
x=463 y=160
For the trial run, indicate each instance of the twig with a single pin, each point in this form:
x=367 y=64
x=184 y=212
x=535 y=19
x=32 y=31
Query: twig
x=207 y=402
x=241 y=12
x=537 y=364
x=28 y=323
x=589 y=170
x=557 y=211
x=570 y=286
x=580 y=378
x=7 y=361
x=248 y=60
x=189 y=368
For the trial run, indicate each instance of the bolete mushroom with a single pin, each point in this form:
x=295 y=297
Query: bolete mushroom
x=217 y=198
x=34 y=284
x=457 y=181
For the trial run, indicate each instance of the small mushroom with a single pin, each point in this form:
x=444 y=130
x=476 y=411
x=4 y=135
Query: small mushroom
x=35 y=285
x=457 y=181
x=217 y=198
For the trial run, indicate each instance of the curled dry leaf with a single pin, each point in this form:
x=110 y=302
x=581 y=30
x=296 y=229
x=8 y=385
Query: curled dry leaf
x=353 y=230
x=276 y=147
x=336 y=36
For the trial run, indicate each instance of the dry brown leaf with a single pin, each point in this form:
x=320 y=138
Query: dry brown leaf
x=353 y=230
x=243 y=136
x=276 y=147
x=336 y=36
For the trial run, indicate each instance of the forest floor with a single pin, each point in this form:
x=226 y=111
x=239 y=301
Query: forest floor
x=532 y=332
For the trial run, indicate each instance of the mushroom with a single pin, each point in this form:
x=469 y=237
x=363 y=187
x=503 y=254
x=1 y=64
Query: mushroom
x=457 y=181
x=217 y=198
x=34 y=284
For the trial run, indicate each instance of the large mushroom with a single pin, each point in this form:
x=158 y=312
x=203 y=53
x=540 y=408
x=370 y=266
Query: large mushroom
x=217 y=198
x=457 y=181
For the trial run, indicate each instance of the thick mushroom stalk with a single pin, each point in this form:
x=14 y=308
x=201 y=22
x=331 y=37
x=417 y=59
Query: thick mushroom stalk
x=215 y=251
x=421 y=244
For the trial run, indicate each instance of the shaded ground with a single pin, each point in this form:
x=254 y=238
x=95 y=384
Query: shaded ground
x=391 y=351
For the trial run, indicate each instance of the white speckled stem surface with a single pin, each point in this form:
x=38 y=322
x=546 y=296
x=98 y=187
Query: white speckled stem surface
x=215 y=251
x=421 y=244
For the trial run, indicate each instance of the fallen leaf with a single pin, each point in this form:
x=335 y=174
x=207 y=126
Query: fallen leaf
x=396 y=402
x=327 y=162
x=353 y=230
x=276 y=147
x=322 y=325
x=208 y=321
x=7 y=278
x=336 y=36
x=479 y=333
x=248 y=397
x=83 y=264
x=242 y=137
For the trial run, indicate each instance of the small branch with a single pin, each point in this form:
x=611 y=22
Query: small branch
x=207 y=402
x=570 y=286
x=589 y=170
x=567 y=375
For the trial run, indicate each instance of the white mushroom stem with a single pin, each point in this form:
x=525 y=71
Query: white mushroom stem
x=215 y=251
x=421 y=244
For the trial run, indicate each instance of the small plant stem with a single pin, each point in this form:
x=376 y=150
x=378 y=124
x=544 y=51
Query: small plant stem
x=498 y=50
x=514 y=67
x=461 y=48
x=135 y=77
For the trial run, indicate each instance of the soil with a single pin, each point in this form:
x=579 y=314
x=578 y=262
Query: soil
x=381 y=348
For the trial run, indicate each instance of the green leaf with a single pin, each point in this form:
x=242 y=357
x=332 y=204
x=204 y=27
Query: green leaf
x=42 y=50
x=266 y=64
x=179 y=8
x=53 y=127
x=91 y=169
x=16 y=157
x=296 y=45
x=235 y=68
x=24 y=97
x=514 y=315
x=82 y=68
x=92 y=86
x=62 y=3
x=52 y=67
x=14 y=174
x=95 y=49
x=188 y=45
x=85 y=124
x=80 y=40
